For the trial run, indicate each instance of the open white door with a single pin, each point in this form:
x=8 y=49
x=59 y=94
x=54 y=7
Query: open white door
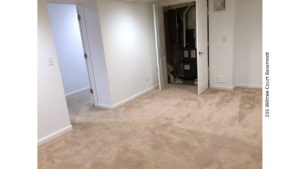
x=202 y=45
x=88 y=61
x=160 y=45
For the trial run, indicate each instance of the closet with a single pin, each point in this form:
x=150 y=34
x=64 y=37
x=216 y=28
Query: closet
x=180 y=36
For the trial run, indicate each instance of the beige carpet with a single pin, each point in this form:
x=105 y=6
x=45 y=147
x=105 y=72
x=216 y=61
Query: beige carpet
x=78 y=103
x=172 y=129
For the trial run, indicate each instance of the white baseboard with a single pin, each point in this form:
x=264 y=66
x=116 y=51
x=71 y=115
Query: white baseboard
x=55 y=134
x=153 y=87
x=249 y=86
x=127 y=99
x=77 y=91
x=105 y=106
x=222 y=87
x=239 y=85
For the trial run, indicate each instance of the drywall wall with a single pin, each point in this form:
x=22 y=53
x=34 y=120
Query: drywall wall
x=248 y=43
x=95 y=51
x=235 y=44
x=69 y=47
x=53 y=117
x=128 y=38
x=221 y=45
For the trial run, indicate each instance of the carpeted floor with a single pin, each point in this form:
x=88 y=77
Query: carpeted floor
x=172 y=129
x=78 y=103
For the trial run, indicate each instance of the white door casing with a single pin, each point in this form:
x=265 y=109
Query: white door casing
x=202 y=45
x=88 y=59
x=160 y=46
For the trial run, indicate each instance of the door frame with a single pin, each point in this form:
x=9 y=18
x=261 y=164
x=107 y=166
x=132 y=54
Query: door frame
x=88 y=58
x=85 y=45
x=176 y=2
x=156 y=48
x=198 y=8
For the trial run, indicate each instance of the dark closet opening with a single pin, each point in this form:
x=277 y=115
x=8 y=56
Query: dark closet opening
x=180 y=35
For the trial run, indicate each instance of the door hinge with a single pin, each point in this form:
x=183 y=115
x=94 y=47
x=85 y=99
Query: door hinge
x=91 y=91
x=85 y=56
x=78 y=17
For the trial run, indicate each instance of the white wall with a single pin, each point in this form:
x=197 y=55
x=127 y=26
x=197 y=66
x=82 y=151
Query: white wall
x=235 y=44
x=69 y=47
x=128 y=38
x=248 y=43
x=221 y=45
x=53 y=118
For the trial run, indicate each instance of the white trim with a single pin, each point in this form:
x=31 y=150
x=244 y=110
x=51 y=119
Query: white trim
x=86 y=47
x=55 y=134
x=134 y=96
x=199 y=86
x=223 y=87
x=202 y=69
x=249 y=86
x=156 y=46
x=77 y=91
x=232 y=87
x=105 y=106
x=114 y=106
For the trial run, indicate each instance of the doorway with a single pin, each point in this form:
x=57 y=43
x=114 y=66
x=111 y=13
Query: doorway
x=181 y=49
x=72 y=58
x=180 y=36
